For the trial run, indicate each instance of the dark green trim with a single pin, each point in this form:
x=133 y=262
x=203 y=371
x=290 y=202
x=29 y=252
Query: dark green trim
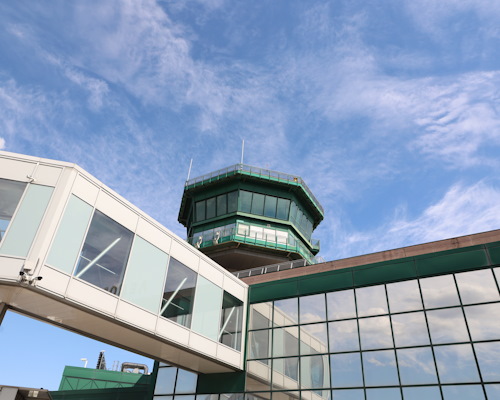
x=133 y=393
x=231 y=382
x=449 y=261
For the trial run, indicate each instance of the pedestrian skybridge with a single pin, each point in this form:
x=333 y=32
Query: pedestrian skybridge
x=75 y=254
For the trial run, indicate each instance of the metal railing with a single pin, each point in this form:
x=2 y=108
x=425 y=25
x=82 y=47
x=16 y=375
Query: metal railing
x=241 y=233
x=254 y=171
x=283 y=266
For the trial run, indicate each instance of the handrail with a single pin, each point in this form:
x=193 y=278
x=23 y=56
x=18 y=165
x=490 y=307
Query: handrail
x=261 y=172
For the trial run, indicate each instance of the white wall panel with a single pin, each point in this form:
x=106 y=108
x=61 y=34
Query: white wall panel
x=53 y=280
x=172 y=331
x=153 y=235
x=202 y=344
x=234 y=288
x=228 y=355
x=208 y=271
x=136 y=316
x=10 y=267
x=85 y=190
x=92 y=297
x=117 y=211
x=47 y=175
x=185 y=255
x=16 y=170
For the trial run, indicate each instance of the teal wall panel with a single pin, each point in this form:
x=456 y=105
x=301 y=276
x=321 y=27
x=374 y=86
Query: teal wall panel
x=389 y=272
x=457 y=261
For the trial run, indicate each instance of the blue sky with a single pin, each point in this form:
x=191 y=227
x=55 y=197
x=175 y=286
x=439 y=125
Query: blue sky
x=390 y=111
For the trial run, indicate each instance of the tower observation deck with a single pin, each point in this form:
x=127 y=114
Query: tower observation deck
x=244 y=217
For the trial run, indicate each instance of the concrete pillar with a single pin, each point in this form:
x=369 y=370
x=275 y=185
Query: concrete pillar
x=8 y=393
x=3 y=310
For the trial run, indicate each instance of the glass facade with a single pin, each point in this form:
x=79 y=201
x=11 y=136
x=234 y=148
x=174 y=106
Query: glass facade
x=429 y=338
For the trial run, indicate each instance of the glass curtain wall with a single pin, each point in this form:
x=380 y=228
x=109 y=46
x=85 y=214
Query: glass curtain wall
x=231 y=321
x=10 y=195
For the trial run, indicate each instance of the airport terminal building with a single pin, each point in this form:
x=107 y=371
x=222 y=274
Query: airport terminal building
x=244 y=308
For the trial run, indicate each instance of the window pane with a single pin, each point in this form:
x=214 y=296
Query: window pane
x=231 y=319
x=493 y=391
x=488 y=357
x=371 y=301
x=221 y=205
x=260 y=315
x=200 y=211
x=343 y=336
x=375 y=333
x=313 y=339
x=210 y=208
x=258 y=204
x=380 y=368
x=286 y=342
x=312 y=308
x=258 y=377
x=286 y=373
x=420 y=393
x=10 y=195
x=259 y=344
x=145 y=262
x=483 y=321
x=186 y=382
x=104 y=254
x=283 y=207
x=404 y=296
x=286 y=312
x=463 y=392
x=178 y=295
x=477 y=286
x=270 y=206
x=456 y=364
x=383 y=394
x=346 y=370
x=348 y=394
x=341 y=304
x=245 y=201
x=447 y=326
x=165 y=382
x=207 y=308
x=416 y=366
x=439 y=291
x=410 y=329
x=232 y=202
x=314 y=372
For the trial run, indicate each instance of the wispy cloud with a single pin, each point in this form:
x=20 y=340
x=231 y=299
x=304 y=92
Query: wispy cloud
x=462 y=210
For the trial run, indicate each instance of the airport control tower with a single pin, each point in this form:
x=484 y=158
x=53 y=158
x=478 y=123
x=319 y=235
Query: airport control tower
x=244 y=217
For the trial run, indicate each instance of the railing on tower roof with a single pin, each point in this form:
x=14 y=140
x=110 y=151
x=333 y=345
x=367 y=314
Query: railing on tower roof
x=244 y=169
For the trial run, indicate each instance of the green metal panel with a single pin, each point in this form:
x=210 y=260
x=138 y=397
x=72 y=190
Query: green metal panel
x=495 y=255
x=132 y=393
x=85 y=378
x=457 y=261
x=233 y=382
x=274 y=290
x=387 y=272
x=328 y=283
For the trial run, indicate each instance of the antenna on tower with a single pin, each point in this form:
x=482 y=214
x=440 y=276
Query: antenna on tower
x=189 y=171
x=242 y=150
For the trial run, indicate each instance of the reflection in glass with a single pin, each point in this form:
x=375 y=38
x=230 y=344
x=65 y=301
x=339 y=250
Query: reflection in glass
x=383 y=394
x=483 y=321
x=488 y=357
x=314 y=372
x=259 y=344
x=348 y=394
x=410 y=329
x=258 y=376
x=492 y=391
x=286 y=342
x=463 y=392
x=231 y=320
x=105 y=253
x=343 y=335
x=312 y=308
x=10 y=195
x=416 y=366
x=375 y=333
x=286 y=373
x=346 y=370
x=456 y=364
x=404 y=296
x=165 y=382
x=341 y=304
x=371 y=301
x=186 y=382
x=447 y=326
x=421 y=393
x=313 y=339
x=380 y=368
x=282 y=396
x=286 y=312
x=260 y=316
x=477 y=286
x=178 y=296
x=439 y=291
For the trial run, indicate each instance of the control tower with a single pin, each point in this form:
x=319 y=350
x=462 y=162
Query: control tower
x=244 y=217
